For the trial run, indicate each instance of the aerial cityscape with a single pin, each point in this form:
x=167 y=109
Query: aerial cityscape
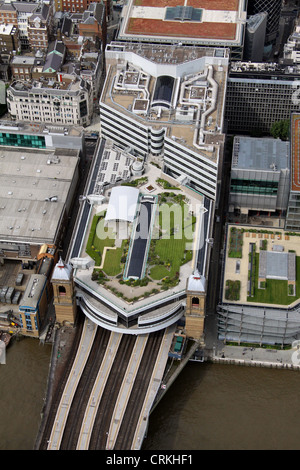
x=149 y=200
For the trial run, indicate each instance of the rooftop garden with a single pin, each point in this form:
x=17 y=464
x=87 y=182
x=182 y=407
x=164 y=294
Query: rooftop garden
x=169 y=249
x=235 y=243
x=173 y=230
x=275 y=291
x=232 y=290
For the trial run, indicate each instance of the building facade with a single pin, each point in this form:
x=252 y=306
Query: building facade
x=42 y=136
x=59 y=103
x=8 y=14
x=260 y=175
x=259 y=94
x=79 y=6
x=93 y=24
x=293 y=213
x=9 y=39
x=273 y=9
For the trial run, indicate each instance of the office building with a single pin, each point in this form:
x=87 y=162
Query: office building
x=273 y=8
x=51 y=102
x=259 y=300
x=293 y=212
x=168 y=101
x=201 y=23
x=255 y=37
x=259 y=94
x=42 y=136
x=260 y=175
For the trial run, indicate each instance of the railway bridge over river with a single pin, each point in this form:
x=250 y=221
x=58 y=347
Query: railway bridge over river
x=109 y=387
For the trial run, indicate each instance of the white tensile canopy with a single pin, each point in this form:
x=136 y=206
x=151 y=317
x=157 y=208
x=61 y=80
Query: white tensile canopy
x=122 y=203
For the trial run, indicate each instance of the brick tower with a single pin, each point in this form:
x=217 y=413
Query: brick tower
x=195 y=306
x=63 y=292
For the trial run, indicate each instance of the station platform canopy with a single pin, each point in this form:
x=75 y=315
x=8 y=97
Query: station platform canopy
x=122 y=204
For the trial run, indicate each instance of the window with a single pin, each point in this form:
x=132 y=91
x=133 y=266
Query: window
x=61 y=290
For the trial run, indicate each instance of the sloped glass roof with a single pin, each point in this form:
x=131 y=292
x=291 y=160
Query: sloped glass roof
x=183 y=13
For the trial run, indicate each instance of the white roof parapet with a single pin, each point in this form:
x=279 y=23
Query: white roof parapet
x=96 y=199
x=81 y=263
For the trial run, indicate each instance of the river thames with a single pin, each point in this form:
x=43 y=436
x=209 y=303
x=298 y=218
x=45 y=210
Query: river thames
x=209 y=406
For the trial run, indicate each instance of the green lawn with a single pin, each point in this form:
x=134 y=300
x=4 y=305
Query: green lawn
x=99 y=237
x=276 y=291
x=158 y=272
x=112 y=264
x=166 y=254
x=177 y=228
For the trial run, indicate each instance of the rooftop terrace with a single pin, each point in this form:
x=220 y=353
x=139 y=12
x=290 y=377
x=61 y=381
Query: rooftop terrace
x=177 y=250
x=262 y=267
x=207 y=22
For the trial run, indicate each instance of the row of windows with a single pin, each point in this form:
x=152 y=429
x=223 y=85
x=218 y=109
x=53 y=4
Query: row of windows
x=194 y=160
x=254 y=187
x=192 y=170
x=192 y=156
x=26 y=113
x=28 y=320
x=200 y=182
x=18 y=140
x=131 y=133
x=119 y=117
x=111 y=134
x=156 y=143
x=125 y=139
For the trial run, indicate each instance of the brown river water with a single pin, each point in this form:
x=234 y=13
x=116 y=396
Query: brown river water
x=209 y=406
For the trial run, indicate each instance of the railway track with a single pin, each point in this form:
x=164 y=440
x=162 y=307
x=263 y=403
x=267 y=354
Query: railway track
x=135 y=403
x=105 y=411
x=83 y=390
x=81 y=358
x=101 y=397
x=57 y=393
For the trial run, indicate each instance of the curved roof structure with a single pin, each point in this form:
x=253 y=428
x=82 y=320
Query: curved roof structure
x=122 y=203
x=163 y=90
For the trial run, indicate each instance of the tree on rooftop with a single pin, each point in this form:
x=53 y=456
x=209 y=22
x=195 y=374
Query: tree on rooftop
x=281 y=129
